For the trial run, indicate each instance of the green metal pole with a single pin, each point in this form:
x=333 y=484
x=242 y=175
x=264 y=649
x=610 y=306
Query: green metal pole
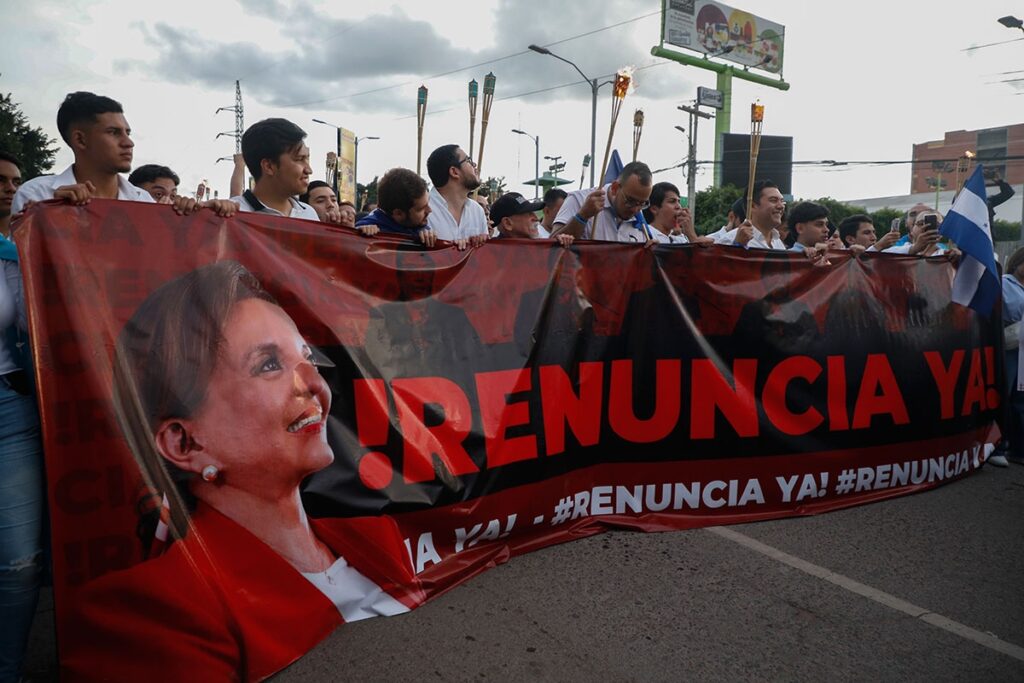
x=723 y=120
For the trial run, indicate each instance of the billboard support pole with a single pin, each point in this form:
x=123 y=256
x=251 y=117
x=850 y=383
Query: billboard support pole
x=725 y=75
x=723 y=84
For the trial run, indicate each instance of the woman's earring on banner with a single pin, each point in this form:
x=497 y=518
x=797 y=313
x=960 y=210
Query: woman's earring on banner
x=210 y=473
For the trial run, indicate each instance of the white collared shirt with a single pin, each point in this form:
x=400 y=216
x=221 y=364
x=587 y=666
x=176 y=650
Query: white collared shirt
x=605 y=226
x=636 y=234
x=299 y=210
x=472 y=222
x=355 y=596
x=41 y=188
x=756 y=242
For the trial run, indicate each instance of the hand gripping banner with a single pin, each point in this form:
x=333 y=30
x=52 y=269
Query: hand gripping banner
x=259 y=428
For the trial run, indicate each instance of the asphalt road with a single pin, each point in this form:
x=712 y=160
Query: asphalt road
x=926 y=587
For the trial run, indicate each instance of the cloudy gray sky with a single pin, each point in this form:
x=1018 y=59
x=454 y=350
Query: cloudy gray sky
x=868 y=78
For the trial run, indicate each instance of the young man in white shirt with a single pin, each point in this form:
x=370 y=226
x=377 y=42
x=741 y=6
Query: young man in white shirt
x=858 y=230
x=761 y=229
x=95 y=129
x=453 y=215
x=278 y=160
x=600 y=213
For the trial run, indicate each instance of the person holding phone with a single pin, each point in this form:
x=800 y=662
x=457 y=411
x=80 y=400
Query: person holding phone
x=924 y=237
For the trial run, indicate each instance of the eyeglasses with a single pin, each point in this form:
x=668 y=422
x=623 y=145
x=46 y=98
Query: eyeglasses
x=635 y=203
x=460 y=162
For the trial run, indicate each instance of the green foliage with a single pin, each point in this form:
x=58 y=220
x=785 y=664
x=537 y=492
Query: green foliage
x=1005 y=231
x=883 y=219
x=837 y=210
x=492 y=186
x=17 y=137
x=366 y=194
x=712 y=207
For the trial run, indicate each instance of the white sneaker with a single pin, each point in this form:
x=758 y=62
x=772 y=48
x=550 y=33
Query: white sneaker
x=998 y=459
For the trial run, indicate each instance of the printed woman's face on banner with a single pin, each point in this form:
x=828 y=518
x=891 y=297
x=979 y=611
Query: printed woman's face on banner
x=265 y=412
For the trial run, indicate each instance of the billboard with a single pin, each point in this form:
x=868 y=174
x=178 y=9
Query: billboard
x=718 y=30
x=774 y=160
x=347 y=167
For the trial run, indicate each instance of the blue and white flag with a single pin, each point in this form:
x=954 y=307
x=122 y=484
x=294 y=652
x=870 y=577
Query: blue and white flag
x=977 y=281
x=614 y=169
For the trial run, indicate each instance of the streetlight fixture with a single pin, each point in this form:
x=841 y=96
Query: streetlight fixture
x=536 y=160
x=1011 y=21
x=594 y=86
x=355 y=165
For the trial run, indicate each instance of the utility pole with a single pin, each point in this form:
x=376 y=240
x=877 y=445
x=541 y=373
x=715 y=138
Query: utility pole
x=691 y=155
x=239 y=118
x=239 y=130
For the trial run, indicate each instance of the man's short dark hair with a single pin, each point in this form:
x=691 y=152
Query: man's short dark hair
x=659 y=191
x=805 y=212
x=438 y=163
x=79 y=107
x=554 y=195
x=269 y=139
x=760 y=187
x=636 y=168
x=849 y=226
x=398 y=190
x=7 y=156
x=150 y=172
x=739 y=209
x=314 y=184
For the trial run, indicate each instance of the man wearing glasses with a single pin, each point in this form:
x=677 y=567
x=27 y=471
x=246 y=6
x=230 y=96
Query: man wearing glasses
x=453 y=216
x=600 y=213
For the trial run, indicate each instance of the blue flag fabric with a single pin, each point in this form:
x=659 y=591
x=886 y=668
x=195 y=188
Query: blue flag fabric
x=614 y=168
x=977 y=281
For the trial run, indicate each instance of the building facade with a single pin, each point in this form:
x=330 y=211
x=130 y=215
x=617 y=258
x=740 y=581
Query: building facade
x=941 y=164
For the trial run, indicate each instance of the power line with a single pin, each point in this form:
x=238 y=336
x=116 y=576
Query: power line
x=1002 y=42
x=471 y=66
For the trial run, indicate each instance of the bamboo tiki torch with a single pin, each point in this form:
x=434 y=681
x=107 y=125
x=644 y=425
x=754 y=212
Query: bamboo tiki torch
x=489 y=81
x=638 y=129
x=473 y=91
x=756 y=119
x=623 y=81
x=421 y=112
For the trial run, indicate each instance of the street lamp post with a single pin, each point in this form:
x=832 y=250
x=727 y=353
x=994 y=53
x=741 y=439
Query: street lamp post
x=594 y=86
x=1011 y=21
x=338 y=151
x=536 y=160
x=355 y=165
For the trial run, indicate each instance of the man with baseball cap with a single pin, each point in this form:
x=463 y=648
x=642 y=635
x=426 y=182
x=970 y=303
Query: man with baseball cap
x=515 y=216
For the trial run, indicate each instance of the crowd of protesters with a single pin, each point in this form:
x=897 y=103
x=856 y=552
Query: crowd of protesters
x=631 y=208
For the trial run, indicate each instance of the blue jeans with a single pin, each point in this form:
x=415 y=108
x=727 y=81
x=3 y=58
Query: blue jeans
x=21 y=525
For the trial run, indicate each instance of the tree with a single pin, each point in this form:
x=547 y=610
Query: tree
x=31 y=145
x=711 y=207
x=366 y=194
x=492 y=188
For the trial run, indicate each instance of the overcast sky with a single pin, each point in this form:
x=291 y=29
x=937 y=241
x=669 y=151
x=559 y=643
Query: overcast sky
x=868 y=79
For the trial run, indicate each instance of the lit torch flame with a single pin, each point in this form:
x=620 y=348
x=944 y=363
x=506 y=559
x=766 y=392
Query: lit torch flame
x=623 y=82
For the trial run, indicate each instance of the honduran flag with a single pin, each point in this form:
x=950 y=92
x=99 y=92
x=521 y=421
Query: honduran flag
x=977 y=281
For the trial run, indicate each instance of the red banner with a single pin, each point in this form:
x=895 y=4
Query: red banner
x=259 y=428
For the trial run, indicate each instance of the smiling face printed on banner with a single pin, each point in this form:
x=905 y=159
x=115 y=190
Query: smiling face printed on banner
x=263 y=421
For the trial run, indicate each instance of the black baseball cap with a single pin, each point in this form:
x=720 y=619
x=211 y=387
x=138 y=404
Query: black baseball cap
x=513 y=204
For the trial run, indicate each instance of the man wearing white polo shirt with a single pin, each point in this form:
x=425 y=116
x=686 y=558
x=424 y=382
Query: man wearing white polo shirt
x=278 y=160
x=453 y=215
x=600 y=213
x=95 y=129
